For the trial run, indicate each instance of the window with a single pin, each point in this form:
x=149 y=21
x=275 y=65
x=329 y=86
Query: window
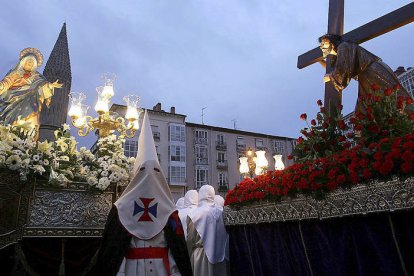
x=222 y=179
x=155 y=132
x=259 y=143
x=176 y=174
x=201 y=177
x=177 y=153
x=221 y=157
x=130 y=148
x=201 y=153
x=200 y=136
x=177 y=133
x=158 y=154
x=278 y=147
x=240 y=144
x=154 y=129
x=220 y=139
x=240 y=141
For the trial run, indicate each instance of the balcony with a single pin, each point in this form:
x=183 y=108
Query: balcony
x=201 y=141
x=223 y=187
x=241 y=147
x=222 y=164
x=176 y=181
x=156 y=135
x=221 y=145
x=261 y=148
x=201 y=161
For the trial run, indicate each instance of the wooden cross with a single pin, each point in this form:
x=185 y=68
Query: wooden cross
x=377 y=27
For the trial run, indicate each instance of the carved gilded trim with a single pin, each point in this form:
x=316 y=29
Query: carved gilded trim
x=374 y=197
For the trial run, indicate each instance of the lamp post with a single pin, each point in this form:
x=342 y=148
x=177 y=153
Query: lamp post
x=251 y=164
x=107 y=121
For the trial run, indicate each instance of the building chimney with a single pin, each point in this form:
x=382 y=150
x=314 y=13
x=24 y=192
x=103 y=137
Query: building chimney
x=172 y=110
x=399 y=70
x=158 y=107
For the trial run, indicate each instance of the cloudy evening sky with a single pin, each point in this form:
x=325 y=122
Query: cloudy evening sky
x=237 y=58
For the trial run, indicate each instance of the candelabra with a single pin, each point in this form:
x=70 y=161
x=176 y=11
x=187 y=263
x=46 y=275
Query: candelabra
x=107 y=121
x=256 y=165
x=250 y=164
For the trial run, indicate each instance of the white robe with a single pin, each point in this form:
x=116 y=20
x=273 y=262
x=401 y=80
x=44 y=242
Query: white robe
x=199 y=261
x=133 y=267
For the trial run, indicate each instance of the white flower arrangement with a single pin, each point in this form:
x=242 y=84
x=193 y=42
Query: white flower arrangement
x=61 y=162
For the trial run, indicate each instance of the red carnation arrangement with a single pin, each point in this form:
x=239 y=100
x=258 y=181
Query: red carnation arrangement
x=376 y=143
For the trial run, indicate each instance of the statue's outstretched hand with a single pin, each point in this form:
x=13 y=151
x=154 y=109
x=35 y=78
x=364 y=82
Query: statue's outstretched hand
x=56 y=84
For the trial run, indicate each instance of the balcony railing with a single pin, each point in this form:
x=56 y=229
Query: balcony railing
x=221 y=145
x=179 y=181
x=202 y=141
x=261 y=148
x=223 y=187
x=156 y=135
x=201 y=161
x=222 y=164
x=241 y=147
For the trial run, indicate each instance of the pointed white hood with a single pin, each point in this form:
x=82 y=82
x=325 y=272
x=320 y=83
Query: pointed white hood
x=190 y=203
x=146 y=204
x=209 y=223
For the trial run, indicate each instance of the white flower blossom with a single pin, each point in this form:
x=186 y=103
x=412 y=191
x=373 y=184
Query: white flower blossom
x=65 y=127
x=46 y=162
x=113 y=168
x=103 y=183
x=62 y=144
x=14 y=162
x=64 y=158
x=36 y=157
x=92 y=181
x=105 y=173
x=39 y=169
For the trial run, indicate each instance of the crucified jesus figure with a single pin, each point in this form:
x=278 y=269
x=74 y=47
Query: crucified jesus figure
x=351 y=61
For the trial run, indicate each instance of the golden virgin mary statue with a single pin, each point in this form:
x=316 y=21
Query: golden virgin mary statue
x=23 y=91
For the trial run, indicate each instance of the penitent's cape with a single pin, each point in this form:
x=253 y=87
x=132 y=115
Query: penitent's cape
x=144 y=209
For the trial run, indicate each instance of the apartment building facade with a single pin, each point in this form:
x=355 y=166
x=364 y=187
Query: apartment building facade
x=168 y=129
x=213 y=154
x=192 y=155
x=406 y=78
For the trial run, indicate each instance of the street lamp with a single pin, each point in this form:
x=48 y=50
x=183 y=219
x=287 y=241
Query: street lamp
x=250 y=164
x=107 y=121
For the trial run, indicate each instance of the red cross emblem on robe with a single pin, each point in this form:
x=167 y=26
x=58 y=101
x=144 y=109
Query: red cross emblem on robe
x=146 y=209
